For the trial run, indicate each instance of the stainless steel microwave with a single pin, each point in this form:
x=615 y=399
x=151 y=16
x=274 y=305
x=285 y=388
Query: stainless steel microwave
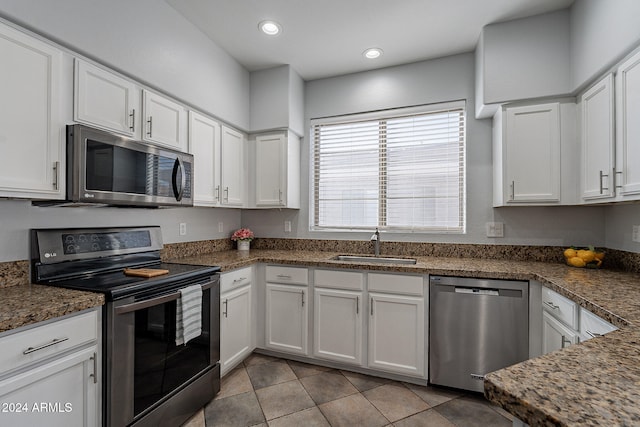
x=109 y=169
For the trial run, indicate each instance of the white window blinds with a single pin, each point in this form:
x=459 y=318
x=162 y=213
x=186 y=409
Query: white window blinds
x=401 y=169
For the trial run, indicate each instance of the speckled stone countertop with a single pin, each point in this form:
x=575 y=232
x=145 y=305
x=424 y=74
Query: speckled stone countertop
x=27 y=304
x=593 y=383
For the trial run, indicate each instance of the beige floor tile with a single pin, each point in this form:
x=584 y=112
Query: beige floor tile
x=311 y=417
x=267 y=374
x=306 y=370
x=364 y=382
x=283 y=399
x=395 y=401
x=257 y=359
x=196 y=421
x=353 y=411
x=434 y=396
x=327 y=387
x=235 y=382
x=239 y=410
x=425 y=418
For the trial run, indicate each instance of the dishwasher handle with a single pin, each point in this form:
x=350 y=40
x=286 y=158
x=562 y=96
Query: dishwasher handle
x=477 y=291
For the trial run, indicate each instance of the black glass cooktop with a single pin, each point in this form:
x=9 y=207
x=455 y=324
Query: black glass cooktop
x=116 y=284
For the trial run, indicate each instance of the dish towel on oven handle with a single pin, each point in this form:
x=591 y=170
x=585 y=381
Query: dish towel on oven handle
x=189 y=314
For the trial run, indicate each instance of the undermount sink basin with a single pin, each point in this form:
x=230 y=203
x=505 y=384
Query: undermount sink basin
x=374 y=259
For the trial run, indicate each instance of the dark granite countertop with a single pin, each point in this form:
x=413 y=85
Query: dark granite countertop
x=593 y=383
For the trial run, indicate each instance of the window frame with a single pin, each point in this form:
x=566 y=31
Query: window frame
x=381 y=115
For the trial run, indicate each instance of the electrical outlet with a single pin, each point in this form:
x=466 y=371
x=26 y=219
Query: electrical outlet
x=220 y=227
x=635 y=236
x=495 y=229
x=183 y=228
x=287 y=226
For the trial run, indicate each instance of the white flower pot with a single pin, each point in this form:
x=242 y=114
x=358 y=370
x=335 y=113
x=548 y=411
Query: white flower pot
x=243 y=245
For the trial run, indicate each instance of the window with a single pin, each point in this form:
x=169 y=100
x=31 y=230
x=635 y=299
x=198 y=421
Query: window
x=396 y=170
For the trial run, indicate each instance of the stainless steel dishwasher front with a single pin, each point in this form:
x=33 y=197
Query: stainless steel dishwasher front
x=476 y=326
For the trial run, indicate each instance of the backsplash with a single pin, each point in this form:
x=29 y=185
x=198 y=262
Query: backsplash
x=17 y=272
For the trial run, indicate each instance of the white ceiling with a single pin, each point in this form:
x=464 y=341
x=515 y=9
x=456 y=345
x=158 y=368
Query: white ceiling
x=325 y=38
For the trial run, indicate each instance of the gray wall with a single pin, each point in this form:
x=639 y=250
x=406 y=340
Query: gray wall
x=445 y=79
x=149 y=41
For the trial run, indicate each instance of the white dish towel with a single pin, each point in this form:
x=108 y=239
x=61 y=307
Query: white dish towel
x=189 y=314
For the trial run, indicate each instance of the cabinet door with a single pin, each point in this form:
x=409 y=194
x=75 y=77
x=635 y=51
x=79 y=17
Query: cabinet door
x=204 y=144
x=628 y=127
x=165 y=121
x=270 y=163
x=105 y=100
x=397 y=334
x=31 y=131
x=337 y=325
x=60 y=393
x=235 y=327
x=531 y=151
x=597 y=140
x=555 y=335
x=286 y=322
x=232 y=167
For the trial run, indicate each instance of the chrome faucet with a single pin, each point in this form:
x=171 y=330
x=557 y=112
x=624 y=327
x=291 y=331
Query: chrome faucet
x=375 y=238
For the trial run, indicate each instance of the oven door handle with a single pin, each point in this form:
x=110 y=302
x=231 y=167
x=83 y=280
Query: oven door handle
x=141 y=305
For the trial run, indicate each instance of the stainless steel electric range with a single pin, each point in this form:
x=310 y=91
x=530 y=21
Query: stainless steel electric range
x=149 y=380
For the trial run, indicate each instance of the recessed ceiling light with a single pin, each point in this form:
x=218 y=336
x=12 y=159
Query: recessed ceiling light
x=270 y=28
x=372 y=53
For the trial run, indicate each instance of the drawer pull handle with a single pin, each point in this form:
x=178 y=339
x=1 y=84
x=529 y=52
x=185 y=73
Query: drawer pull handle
x=226 y=308
x=132 y=128
x=551 y=305
x=302 y=292
x=95 y=368
x=43 y=346
x=241 y=279
x=593 y=334
x=565 y=341
x=283 y=276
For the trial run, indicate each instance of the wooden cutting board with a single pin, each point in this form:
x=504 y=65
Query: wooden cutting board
x=145 y=272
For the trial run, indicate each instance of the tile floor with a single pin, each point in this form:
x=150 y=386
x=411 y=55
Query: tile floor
x=268 y=391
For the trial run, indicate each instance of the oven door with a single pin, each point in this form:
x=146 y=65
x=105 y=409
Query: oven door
x=150 y=380
x=111 y=169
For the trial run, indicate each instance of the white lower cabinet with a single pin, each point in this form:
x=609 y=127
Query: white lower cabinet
x=287 y=313
x=397 y=334
x=51 y=374
x=337 y=325
x=236 y=318
x=556 y=335
x=287 y=309
x=235 y=328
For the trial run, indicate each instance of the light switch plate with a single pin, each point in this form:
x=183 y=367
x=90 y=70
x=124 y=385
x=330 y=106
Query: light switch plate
x=635 y=236
x=495 y=229
x=287 y=226
x=220 y=227
x=183 y=228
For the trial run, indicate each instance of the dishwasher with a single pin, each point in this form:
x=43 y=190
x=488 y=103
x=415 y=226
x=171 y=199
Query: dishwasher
x=476 y=326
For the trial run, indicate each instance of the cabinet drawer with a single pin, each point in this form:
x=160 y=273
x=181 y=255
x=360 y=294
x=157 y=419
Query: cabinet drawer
x=396 y=283
x=592 y=326
x=293 y=275
x=41 y=342
x=235 y=279
x=560 y=307
x=339 y=279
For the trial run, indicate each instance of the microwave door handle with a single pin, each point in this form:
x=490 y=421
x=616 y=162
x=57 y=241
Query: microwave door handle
x=178 y=190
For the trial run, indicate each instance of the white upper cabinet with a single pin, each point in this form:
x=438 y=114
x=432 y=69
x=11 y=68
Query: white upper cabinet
x=106 y=100
x=31 y=128
x=232 y=167
x=597 y=131
x=164 y=121
x=277 y=170
x=204 y=144
x=628 y=128
x=528 y=146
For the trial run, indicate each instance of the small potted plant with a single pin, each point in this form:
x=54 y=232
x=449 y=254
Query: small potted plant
x=243 y=236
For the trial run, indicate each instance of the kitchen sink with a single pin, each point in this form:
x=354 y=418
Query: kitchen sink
x=374 y=259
